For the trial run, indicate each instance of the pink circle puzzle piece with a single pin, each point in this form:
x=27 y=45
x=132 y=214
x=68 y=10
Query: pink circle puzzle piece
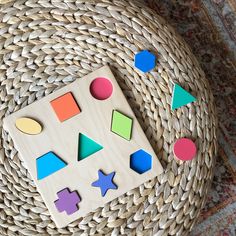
x=101 y=88
x=185 y=149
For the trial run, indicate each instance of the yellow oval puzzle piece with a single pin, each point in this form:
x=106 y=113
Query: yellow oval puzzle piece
x=28 y=126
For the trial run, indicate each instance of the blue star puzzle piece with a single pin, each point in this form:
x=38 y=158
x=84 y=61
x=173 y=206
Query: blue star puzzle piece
x=105 y=182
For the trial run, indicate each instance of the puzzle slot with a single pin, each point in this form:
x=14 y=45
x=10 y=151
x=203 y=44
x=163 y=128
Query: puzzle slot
x=140 y=161
x=101 y=88
x=87 y=147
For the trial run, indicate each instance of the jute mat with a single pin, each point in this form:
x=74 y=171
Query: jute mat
x=47 y=44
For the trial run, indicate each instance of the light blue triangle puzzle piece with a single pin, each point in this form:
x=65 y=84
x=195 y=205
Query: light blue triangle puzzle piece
x=48 y=164
x=181 y=97
x=87 y=147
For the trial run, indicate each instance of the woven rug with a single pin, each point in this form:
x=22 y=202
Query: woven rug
x=209 y=27
x=47 y=44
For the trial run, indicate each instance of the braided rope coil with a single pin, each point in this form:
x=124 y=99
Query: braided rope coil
x=47 y=44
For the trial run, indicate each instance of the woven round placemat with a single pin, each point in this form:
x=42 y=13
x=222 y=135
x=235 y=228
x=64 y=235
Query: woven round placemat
x=47 y=44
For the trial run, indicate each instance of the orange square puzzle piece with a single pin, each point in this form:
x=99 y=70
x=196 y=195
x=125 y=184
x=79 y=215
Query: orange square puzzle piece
x=65 y=107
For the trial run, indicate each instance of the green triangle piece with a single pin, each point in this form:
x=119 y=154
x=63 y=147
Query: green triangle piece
x=181 y=97
x=87 y=147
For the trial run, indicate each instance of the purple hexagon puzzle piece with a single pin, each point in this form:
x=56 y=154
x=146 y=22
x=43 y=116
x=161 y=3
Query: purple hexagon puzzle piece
x=67 y=201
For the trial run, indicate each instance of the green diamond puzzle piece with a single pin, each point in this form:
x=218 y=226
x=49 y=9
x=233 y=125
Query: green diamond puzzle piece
x=121 y=125
x=87 y=147
x=181 y=97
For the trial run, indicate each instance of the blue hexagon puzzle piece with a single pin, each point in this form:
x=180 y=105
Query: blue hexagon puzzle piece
x=145 y=61
x=140 y=161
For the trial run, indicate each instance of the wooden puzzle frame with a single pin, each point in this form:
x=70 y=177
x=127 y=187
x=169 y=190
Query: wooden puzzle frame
x=61 y=138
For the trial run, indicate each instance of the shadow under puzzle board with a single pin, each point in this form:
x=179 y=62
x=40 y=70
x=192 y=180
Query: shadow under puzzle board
x=93 y=119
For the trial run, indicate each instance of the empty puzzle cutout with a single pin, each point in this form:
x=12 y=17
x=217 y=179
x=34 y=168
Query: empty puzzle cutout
x=87 y=147
x=105 y=182
x=101 y=88
x=121 y=125
x=48 y=164
x=65 y=107
x=181 y=97
x=140 y=161
x=28 y=126
x=67 y=201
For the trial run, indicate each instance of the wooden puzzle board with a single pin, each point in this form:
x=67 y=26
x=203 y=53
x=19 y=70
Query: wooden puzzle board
x=94 y=121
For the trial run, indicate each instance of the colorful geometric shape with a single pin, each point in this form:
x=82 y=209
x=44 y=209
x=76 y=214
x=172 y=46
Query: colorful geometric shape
x=121 y=125
x=145 y=61
x=28 y=126
x=101 y=88
x=140 y=161
x=185 y=149
x=105 y=182
x=67 y=201
x=87 y=147
x=181 y=97
x=48 y=164
x=65 y=107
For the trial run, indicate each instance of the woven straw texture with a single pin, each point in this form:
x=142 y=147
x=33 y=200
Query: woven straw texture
x=45 y=45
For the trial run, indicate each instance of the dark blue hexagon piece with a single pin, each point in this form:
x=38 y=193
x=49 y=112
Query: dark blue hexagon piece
x=140 y=161
x=145 y=61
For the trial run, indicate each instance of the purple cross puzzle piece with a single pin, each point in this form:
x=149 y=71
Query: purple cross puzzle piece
x=67 y=201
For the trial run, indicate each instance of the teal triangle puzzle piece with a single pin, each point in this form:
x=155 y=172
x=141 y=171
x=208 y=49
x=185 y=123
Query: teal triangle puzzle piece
x=48 y=164
x=181 y=97
x=87 y=147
